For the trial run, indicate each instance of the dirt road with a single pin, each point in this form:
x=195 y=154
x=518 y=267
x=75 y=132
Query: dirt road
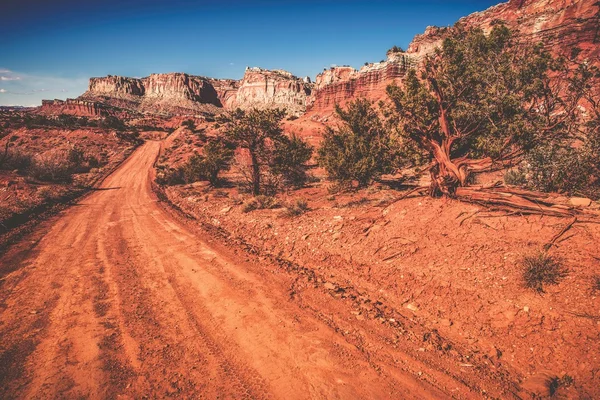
x=120 y=298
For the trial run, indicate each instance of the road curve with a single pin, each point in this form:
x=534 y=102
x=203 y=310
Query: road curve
x=120 y=299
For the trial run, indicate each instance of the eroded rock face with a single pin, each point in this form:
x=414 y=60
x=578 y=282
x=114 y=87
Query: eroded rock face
x=560 y=25
x=181 y=93
x=77 y=107
x=116 y=86
x=272 y=89
x=161 y=93
x=338 y=85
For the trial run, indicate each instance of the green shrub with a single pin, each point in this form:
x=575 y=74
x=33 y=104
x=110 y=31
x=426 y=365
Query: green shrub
x=216 y=156
x=52 y=166
x=360 y=149
x=289 y=160
x=15 y=159
x=542 y=269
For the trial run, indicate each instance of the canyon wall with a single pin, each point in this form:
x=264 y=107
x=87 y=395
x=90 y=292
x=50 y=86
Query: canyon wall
x=560 y=25
x=179 y=93
x=272 y=89
x=338 y=85
x=76 y=107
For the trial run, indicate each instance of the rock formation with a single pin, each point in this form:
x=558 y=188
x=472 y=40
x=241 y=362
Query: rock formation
x=338 y=85
x=560 y=25
x=77 y=107
x=272 y=89
x=179 y=93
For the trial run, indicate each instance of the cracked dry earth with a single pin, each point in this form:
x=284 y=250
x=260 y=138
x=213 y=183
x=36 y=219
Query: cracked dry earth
x=121 y=297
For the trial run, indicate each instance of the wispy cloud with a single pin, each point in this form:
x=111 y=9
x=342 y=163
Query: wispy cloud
x=22 y=88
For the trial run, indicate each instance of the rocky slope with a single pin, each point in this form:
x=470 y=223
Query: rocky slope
x=559 y=24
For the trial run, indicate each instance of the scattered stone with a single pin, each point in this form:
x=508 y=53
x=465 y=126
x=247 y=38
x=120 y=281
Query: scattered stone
x=580 y=201
x=329 y=286
x=411 y=307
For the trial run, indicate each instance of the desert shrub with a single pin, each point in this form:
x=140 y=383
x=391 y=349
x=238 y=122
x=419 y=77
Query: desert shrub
x=52 y=166
x=360 y=149
x=554 y=167
x=189 y=123
x=596 y=283
x=216 y=156
x=15 y=159
x=260 y=202
x=516 y=176
x=112 y=122
x=289 y=160
x=299 y=207
x=170 y=176
x=541 y=269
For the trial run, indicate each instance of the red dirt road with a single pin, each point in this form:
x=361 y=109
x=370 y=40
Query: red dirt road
x=119 y=298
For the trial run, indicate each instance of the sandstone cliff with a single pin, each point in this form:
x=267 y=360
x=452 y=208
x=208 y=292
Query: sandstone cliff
x=272 y=89
x=77 y=107
x=559 y=24
x=178 y=93
x=157 y=93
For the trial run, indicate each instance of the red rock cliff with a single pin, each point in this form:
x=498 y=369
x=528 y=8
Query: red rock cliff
x=77 y=107
x=559 y=24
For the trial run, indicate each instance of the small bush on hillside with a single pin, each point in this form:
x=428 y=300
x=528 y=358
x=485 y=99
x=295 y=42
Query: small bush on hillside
x=542 y=269
x=15 y=159
x=596 y=283
x=216 y=156
x=52 y=166
x=260 y=202
x=296 y=209
x=170 y=176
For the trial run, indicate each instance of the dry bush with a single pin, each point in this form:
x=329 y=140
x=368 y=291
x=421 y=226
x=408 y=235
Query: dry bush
x=541 y=269
x=296 y=209
x=260 y=202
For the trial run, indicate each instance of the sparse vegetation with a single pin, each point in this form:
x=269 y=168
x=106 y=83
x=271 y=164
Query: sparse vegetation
x=216 y=156
x=260 y=202
x=299 y=207
x=541 y=269
x=360 y=149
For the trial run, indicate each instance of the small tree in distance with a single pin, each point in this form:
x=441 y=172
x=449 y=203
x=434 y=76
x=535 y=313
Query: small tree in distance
x=256 y=131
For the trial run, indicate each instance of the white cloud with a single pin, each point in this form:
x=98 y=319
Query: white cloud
x=25 y=89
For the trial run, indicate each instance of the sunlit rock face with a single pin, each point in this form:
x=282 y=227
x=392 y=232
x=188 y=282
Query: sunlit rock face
x=272 y=89
x=560 y=25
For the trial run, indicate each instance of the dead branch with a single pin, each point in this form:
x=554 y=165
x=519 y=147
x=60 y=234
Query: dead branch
x=551 y=243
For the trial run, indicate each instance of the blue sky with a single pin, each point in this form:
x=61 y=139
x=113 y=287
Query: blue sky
x=49 y=49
